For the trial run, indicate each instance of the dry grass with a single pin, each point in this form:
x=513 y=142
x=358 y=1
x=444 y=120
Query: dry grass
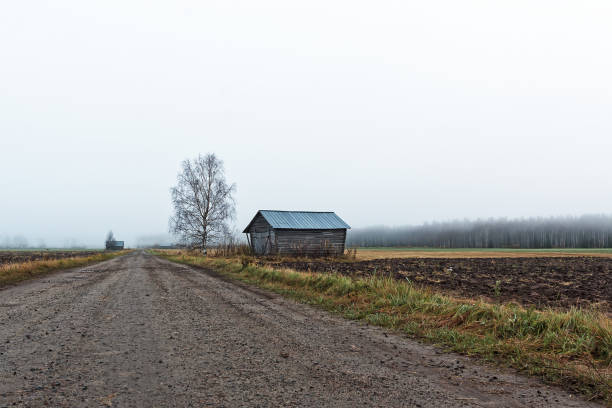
x=16 y=272
x=571 y=348
x=368 y=254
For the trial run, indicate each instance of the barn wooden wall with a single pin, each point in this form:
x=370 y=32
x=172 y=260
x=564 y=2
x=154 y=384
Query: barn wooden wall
x=310 y=242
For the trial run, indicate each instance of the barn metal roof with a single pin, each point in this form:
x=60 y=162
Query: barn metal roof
x=308 y=220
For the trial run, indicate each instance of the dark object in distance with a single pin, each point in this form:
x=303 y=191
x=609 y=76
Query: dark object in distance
x=114 y=245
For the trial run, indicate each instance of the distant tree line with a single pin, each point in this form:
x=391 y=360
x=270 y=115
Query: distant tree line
x=587 y=231
x=21 y=242
x=16 y=242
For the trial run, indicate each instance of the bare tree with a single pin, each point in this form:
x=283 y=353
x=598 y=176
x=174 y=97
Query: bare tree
x=19 y=241
x=110 y=238
x=203 y=202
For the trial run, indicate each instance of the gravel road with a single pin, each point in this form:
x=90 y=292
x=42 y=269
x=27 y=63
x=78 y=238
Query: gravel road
x=139 y=331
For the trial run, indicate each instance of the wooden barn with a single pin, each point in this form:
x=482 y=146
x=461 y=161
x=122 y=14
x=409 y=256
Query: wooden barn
x=114 y=245
x=298 y=233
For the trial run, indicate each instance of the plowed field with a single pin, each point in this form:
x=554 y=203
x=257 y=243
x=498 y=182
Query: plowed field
x=25 y=256
x=540 y=282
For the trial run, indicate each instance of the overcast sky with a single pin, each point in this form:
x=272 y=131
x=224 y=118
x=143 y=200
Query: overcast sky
x=385 y=112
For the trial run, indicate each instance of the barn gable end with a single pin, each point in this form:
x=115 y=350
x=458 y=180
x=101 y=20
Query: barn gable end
x=261 y=235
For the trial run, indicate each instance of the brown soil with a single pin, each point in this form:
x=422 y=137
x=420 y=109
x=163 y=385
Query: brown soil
x=25 y=256
x=540 y=282
x=370 y=254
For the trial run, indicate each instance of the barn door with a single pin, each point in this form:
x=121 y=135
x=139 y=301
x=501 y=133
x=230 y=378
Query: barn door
x=263 y=242
x=259 y=242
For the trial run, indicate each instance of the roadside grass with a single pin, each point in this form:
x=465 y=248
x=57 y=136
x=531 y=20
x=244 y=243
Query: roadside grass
x=17 y=272
x=572 y=348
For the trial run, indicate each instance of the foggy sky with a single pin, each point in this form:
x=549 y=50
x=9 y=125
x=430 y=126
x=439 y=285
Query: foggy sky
x=388 y=112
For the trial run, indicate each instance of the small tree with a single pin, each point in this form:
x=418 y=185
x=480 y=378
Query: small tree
x=203 y=202
x=110 y=238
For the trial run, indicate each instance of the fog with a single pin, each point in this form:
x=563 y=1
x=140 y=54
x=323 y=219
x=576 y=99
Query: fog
x=389 y=113
x=593 y=231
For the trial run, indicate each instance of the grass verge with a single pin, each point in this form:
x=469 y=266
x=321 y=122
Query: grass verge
x=572 y=348
x=17 y=272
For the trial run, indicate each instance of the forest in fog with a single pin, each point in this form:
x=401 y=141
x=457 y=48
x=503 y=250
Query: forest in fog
x=587 y=231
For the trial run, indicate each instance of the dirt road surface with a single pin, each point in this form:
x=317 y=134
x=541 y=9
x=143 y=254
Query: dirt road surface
x=139 y=331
